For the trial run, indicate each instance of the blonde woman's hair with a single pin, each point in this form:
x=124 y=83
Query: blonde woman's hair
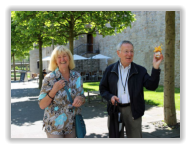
x=57 y=51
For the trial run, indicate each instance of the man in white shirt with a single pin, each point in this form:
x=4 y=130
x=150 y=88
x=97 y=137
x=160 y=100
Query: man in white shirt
x=123 y=83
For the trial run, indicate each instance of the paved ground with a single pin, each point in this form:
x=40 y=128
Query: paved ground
x=26 y=116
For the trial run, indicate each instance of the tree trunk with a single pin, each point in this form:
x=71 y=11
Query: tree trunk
x=40 y=62
x=14 y=67
x=71 y=44
x=169 y=103
x=71 y=34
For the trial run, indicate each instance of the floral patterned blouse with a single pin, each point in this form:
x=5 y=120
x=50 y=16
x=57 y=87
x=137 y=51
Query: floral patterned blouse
x=59 y=115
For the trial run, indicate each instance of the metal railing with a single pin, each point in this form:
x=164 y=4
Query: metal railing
x=86 y=48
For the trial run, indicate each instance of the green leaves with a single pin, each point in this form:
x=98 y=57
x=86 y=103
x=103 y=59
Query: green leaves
x=61 y=25
x=19 y=46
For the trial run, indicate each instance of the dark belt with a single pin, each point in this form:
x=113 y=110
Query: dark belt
x=124 y=105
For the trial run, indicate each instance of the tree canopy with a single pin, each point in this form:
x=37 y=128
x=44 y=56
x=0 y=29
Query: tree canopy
x=71 y=24
x=19 y=46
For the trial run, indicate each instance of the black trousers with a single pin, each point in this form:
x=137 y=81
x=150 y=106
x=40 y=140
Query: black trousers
x=133 y=128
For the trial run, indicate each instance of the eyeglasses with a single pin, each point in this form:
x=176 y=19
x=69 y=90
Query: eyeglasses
x=127 y=52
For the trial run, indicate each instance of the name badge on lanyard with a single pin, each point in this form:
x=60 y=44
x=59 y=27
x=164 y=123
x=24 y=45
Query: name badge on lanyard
x=124 y=95
x=124 y=98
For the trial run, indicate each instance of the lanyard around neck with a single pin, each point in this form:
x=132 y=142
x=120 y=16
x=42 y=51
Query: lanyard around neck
x=125 y=79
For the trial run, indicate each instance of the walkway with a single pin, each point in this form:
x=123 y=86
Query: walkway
x=26 y=116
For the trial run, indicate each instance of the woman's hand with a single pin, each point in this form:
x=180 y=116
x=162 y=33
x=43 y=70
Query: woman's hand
x=58 y=85
x=77 y=101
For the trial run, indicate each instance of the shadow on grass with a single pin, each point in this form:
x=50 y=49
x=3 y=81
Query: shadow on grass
x=150 y=102
x=91 y=86
x=89 y=89
x=161 y=89
x=93 y=83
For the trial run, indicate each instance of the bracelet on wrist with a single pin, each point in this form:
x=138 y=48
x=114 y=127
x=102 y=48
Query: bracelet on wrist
x=49 y=95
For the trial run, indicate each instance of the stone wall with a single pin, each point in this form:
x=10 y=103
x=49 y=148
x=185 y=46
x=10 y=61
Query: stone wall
x=88 y=65
x=34 y=57
x=81 y=40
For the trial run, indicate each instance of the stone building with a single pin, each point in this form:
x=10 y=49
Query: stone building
x=145 y=33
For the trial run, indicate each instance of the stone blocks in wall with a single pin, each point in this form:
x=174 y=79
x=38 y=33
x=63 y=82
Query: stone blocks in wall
x=88 y=65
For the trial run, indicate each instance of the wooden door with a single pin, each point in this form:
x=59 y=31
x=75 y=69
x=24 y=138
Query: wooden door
x=89 y=43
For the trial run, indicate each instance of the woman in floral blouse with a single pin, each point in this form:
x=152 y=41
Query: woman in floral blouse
x=59 y=114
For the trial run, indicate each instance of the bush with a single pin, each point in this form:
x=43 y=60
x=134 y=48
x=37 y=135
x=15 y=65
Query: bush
x=16 y=68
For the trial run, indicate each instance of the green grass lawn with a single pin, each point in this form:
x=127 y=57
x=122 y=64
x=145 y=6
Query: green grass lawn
x=91 y=86
x=151 y=97
x=157 y=97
